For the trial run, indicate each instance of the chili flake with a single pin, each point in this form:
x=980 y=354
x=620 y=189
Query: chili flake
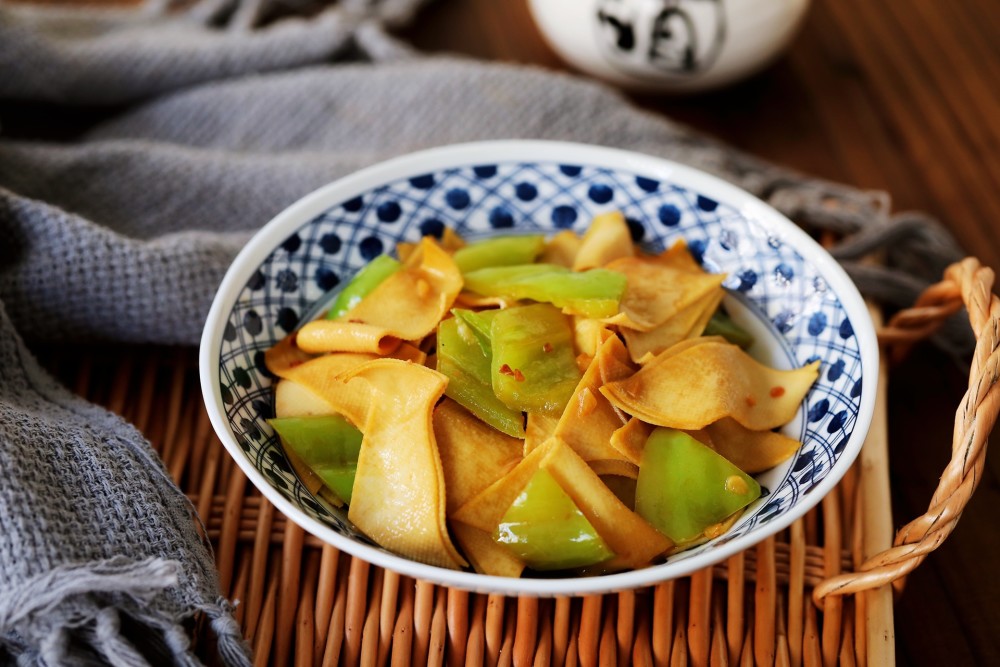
x=518 y=375
x=547 y=347
x=777 y=392
x=751 y=401
x=505 y=370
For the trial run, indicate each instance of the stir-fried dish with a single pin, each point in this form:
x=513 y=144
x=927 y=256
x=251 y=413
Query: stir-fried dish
x=533 y=404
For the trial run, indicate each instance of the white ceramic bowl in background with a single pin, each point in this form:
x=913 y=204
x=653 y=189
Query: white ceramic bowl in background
x=669 y=45
x=792 y=295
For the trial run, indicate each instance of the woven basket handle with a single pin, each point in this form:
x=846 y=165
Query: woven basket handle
x=969 y=283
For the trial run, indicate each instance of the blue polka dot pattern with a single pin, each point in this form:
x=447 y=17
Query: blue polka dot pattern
x=330 y=243
x=669 y=215
x=784 y=321
x=287 y=280
x=370 y=248
x=600 y=193
x=432 y=227
x=697 y=249
x=647 y=184
x=326 y=279
x=747 y=278
x=784 y=272
x=819 y=410
x=388 y=211
x=501 y=218
x=563 y=216
x=288 y=319
x=242 y=378
x=251 y=429
x=423 y=182
x=837 y=422
x=706 y=204
x=257 y=281
x=784 y=290
x=252 y=323
x=846 y=330
x=458 y=199
x=817 y=323
x=525 y=191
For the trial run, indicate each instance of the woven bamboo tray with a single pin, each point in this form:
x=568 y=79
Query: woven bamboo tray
x=786 y=601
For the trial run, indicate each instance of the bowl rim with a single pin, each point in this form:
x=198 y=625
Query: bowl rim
x=263 y=243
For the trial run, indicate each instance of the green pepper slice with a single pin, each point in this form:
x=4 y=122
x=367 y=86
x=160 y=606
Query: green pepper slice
x=544 y=528
x=499 y=251
x=362 y=284
x=328 y=444
x=684 y=486
x=722 y=325
x=462 y=359
x=480 y=322
x=593 y=293
x=533 y=367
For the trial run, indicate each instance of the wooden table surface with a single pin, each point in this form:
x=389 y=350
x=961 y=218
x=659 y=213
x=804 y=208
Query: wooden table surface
x=895 y=96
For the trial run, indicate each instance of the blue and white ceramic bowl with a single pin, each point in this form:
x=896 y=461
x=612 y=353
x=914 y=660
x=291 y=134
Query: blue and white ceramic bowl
x=792 y=295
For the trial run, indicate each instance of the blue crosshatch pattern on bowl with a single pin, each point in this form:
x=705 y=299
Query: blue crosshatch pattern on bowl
x=480 y=200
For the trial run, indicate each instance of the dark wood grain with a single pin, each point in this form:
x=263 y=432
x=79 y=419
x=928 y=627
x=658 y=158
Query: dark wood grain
x=894 y=96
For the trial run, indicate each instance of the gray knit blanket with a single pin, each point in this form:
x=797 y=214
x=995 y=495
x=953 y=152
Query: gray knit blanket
x=220 y=114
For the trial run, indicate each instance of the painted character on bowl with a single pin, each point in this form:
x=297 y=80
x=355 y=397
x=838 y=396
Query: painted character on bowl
x=651 y=38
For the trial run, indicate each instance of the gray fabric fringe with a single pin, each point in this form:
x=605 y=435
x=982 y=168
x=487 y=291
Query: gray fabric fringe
x=93 y=533
x=228 y=116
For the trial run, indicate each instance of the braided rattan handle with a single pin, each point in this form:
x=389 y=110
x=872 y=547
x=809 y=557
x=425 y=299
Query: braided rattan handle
x=969 y=283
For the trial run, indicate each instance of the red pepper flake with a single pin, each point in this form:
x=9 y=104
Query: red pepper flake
x=505 y=370
x=356 y=321
x=518 y=375
x=777 y=392
x=546 y=348
x=751 y=401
